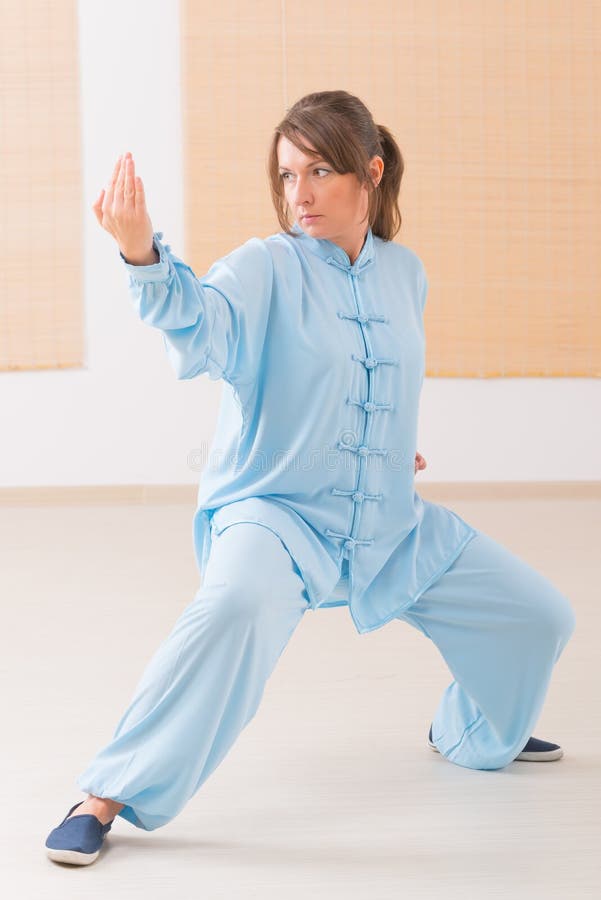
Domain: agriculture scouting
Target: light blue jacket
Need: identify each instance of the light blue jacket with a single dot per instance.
(322, 365)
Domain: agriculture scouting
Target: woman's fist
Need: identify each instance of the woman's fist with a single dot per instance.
(121, 210)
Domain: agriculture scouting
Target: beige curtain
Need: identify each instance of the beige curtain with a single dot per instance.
(41, 289)
(496, 109)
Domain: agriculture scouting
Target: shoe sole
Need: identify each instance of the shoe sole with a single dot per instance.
(74, 857)
(540, 756)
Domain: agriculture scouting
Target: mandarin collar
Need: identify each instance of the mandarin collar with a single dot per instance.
(334, 254)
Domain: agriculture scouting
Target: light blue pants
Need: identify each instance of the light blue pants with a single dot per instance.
(499, 625)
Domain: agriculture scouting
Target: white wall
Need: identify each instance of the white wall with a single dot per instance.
(124, 418)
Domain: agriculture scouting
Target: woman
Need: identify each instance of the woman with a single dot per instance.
(308, 498)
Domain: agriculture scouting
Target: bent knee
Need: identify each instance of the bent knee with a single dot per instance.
(251, 572)
(242, 601)
(236, 596)
(567, 623)
(556, 616)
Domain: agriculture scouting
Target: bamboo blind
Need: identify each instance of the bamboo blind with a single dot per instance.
(495, 107)
(41, 295)
(41, 302)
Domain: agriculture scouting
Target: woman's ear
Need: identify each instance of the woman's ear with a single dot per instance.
(377, 169)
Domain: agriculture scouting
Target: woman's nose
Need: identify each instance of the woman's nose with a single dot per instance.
(301, 192)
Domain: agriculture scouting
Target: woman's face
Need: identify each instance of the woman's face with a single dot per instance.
(339, 202)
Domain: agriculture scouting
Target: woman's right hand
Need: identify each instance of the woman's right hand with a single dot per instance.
(121, 210)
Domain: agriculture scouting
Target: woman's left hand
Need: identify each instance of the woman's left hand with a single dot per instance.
(420, 462)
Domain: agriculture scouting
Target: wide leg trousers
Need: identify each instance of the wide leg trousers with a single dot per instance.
(499, 625)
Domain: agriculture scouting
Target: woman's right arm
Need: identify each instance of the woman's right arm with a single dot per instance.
(216, 324)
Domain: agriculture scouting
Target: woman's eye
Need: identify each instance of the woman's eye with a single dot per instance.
(285, 174)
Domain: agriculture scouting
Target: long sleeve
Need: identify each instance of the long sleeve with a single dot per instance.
(216, 324)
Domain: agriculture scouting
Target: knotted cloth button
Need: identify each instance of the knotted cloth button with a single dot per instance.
(368, 406)
(363, 319)
(370, 362)
(349, 545)
(363, 450)
(358, 497)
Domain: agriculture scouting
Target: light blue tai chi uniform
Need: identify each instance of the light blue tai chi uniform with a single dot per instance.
(312, 461)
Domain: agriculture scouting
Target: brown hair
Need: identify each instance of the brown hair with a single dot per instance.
(342, 129)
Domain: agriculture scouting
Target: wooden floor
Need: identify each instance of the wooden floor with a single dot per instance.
(331, 791)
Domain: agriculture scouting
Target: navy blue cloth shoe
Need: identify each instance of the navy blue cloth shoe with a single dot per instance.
(77, 840)
(534, 751)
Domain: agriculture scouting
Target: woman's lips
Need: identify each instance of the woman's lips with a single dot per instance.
(309, 218)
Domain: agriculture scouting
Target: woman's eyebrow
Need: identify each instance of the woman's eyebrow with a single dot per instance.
(308, 166)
